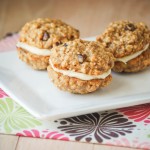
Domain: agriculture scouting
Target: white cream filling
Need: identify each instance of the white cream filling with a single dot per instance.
(127, 58)
(81, 76)
(34, 50)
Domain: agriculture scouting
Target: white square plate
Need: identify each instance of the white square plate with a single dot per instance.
(37, 94)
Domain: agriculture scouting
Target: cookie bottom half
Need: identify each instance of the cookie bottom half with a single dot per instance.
(75, 85)
(35, 61)
(137, 64)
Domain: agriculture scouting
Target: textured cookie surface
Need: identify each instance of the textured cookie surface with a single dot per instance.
(75, 85)
(35, 61)
(123, 38)
(137, 64)
(46, 33)
(83, 57)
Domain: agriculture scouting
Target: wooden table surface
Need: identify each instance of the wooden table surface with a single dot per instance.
(90, 17)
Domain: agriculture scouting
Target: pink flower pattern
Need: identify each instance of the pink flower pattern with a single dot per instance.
(9, 42)
(2, 93)
(138, 113)
(43, 134)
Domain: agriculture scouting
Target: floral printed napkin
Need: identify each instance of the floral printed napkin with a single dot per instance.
(128, 127)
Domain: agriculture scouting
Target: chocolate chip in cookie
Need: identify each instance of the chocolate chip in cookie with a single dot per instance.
(81, 58)
(46, 36)
(65, 45)
(72, 37)
(130, 27)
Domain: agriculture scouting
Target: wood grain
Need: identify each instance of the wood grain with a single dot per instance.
(91, 17)
(45, 144)
(8, 142)
(33, 143)
(104, 147)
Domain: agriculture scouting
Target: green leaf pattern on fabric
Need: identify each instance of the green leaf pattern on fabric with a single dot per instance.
(14, 117)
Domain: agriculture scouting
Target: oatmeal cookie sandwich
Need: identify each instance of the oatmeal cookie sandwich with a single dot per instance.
(80, 66)
(130, 44)
(38, 37)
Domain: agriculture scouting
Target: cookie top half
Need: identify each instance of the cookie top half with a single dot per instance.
(82, 56)
(47, 33)
(123, 38)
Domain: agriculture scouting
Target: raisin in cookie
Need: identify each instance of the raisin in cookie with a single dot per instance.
(80, 66)
(129, 43)
(38, 37)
